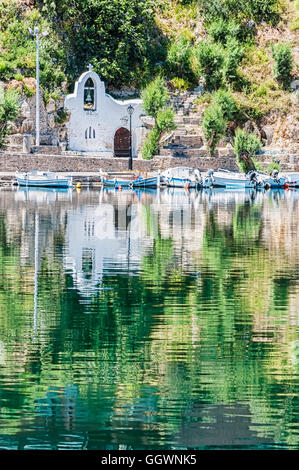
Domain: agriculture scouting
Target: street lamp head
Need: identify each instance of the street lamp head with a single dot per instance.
(30, 31)
(130, 109)
(36, 30)
(45, 33)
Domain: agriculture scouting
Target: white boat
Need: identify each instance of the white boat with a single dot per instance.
(182, 177)
(46, 179)
(292, 180)
(232, 180)
(275, 180)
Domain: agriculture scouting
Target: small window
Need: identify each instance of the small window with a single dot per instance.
(90, 133)
(89, 95)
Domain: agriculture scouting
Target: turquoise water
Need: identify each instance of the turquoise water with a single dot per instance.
(149, 320)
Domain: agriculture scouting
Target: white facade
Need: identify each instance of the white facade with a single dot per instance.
(95, 117)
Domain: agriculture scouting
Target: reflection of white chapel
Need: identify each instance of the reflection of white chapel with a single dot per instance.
(99, 123)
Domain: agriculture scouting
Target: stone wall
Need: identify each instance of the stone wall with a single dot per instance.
(11, 162)
(14, 162)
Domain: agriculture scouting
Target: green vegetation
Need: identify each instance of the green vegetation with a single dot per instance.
(118, 38)
(145, 44)
(151, 144)
(18, 58)
(179, 59)
(221, 110)
(283, 63)
(245, 146)
(9, 110)
(210, 59)
(154, 96)
(164, 335)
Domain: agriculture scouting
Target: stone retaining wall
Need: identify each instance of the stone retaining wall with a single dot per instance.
(10, 162)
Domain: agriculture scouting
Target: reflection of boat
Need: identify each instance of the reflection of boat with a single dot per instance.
(46, 179)
(43, 195)
(182, 177)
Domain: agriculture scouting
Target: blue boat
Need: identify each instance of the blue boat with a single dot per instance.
(140, 182)
(182, 177)
(43, 179)
(115, 183)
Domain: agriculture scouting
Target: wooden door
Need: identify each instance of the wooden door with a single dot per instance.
(122, 143)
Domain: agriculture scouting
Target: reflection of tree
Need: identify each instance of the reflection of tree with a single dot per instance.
(157, 342)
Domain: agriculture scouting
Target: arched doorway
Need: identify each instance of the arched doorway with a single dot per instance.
(122, 143)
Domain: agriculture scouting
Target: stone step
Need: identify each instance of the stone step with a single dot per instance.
(190, 141)
(14, 149)
(48, 149)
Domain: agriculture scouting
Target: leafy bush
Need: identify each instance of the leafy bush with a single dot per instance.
(210, 57)
(151, 144)
(18, 49)
(282, 54)
(9, 110)
(214, 125)
(234, 53)
(245, 147)
(154, 96)
(221, 30)
(119, 38)
(165, 120)
(273, 166)
(221, 110)
(180, 83)
(178, 58)
(225, 100)
(258, 10)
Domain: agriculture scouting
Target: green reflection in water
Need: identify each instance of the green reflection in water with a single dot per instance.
(165, 320)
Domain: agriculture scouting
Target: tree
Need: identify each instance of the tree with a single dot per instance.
(118, 38)
(179, 58)
(210, 57)
(165, 119)
(216, 117)
(154, 96)
(234, 53)
(245, 146)
(9, 110)
(283, 63)
(214, 125)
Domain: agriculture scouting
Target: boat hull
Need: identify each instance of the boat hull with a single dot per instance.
(145, 183)
(116, 183)
(138, 183)
(181, 183)
(44, 183)
(222, 182)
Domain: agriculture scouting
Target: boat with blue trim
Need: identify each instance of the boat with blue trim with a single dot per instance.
(46, 179)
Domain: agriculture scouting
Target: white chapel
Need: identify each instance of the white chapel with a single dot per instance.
(99, 123)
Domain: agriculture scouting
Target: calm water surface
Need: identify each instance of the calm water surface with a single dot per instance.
(149, 320)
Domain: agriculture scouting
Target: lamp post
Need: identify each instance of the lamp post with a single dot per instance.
(130, 110)
(36, 33)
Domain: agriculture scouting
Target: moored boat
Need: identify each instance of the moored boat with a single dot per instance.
(230, 179)
(292, 180)
(152, 182)
(182, 177)
(275, 180)
(130, 180)
(46, 179)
